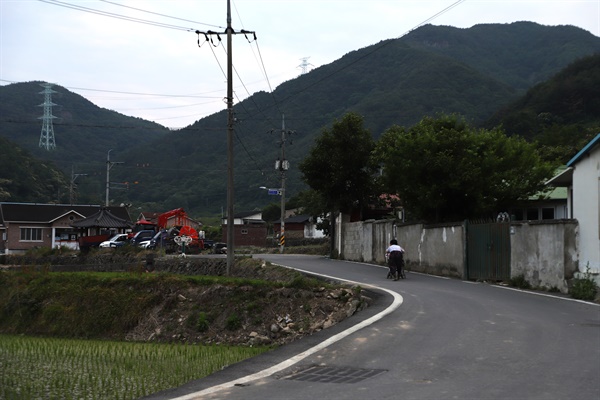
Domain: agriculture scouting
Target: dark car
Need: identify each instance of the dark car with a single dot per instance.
(220, 248)
(141, 236)
(161, 239)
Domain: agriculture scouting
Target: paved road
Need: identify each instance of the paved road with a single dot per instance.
(440, 339)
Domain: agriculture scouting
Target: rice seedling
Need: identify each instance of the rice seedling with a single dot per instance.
(50, 368)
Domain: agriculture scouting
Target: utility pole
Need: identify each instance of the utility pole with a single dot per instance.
(230, 226)
(47, 135)
(109, 165)
(282, 165)
(230, 121)
(74, 176)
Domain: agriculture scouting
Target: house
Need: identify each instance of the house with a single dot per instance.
(551, 205)
(300, 227)
(249, 229)
(581, 178)
(99, 227)
(27, 225)
(245, 217)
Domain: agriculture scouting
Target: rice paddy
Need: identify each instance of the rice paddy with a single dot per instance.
(51, 368)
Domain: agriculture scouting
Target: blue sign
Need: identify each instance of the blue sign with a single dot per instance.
(275, 192)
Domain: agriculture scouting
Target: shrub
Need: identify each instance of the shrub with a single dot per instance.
(233, 322)
(520, 282)
(202, 324)
(584, 288)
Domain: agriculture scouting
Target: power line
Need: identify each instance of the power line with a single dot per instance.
(116, 16)
(161, 15)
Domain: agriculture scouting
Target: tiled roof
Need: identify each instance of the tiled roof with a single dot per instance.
(102, 219)
(46, 213)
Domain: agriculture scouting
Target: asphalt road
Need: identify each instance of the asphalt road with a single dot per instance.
(425, 337)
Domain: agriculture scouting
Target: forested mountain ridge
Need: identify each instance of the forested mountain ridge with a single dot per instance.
(561, 112)
(27, 179)
(473, 72)
(83, 131)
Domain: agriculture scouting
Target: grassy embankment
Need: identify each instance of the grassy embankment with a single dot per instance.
(72, 328)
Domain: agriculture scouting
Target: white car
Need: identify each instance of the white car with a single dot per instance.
(116, 241)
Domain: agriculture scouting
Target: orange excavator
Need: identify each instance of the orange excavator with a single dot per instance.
(177, 223)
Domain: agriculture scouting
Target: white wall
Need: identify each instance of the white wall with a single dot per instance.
(586, 209)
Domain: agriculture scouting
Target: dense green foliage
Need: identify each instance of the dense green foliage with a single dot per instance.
(340, 167)
(27, 179)
(444, 170)
(561, 114)
(435, 69)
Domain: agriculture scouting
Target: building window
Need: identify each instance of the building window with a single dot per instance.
(533, 214)
(547, 213)
(31, 234)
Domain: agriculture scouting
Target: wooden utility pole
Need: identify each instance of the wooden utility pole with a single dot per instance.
(230, 121)
(230, 226)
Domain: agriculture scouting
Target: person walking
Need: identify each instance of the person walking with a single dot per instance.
(395, 256)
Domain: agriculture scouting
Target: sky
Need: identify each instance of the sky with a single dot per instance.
(142, 58)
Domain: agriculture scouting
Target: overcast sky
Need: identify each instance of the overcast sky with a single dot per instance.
(154, 69)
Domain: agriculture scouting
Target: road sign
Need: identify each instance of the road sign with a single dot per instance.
(275, 192)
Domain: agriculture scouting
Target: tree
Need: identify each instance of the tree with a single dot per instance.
(339, 167)
(444, 170)
(272, 212)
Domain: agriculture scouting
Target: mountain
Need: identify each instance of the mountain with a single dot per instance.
(474, 72)
(561, 112)
(83, 131)
(27, 179)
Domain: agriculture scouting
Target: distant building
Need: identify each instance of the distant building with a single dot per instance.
(300, 227)
(581, 178)
(24, 226)
(249, 229)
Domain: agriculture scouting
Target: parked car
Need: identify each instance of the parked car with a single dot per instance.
(208, 244)
(142, 236)
(116, 241)
(220, 248)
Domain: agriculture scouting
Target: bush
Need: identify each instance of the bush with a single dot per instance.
(202, 324)
(584, 288)
(520, 282)
(233, 322)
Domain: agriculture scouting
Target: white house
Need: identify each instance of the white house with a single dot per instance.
(582, 180)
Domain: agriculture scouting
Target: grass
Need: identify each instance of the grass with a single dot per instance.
(49, 368)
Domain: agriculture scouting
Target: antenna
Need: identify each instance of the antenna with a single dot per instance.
(304, 65)
(47, 135)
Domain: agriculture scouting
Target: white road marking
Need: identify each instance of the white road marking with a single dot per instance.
(398, 300)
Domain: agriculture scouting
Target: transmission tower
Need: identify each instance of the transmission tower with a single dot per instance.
(304, 65)
(47, 136)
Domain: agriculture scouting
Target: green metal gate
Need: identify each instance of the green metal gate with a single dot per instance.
(488, 251)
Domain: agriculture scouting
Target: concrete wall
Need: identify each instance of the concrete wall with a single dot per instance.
(545, 252)
(436, 249)
(440, 250)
